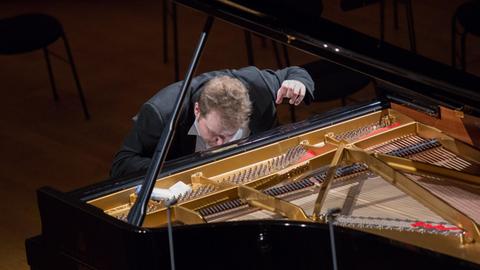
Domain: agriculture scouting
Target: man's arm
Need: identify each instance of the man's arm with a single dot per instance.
(138, 146)
(292, 82)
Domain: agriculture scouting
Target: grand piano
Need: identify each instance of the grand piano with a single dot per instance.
(388, 184)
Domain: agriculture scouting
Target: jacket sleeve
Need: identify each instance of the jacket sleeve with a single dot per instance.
(275, 78)
(137, 149)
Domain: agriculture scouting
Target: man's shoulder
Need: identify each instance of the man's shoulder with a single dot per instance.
(164, 99)
(246, 71)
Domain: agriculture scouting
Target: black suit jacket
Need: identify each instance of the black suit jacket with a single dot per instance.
(139, 145)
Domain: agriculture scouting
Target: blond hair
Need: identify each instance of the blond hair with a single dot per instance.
(229, 97)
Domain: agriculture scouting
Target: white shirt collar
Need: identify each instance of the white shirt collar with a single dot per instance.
(200, 145)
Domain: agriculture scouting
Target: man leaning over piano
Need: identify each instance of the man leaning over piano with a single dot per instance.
(223, 106)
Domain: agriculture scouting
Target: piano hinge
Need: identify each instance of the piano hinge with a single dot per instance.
(290, 39)
(459, 114)
(417, 105)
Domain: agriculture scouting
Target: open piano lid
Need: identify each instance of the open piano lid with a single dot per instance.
(403, 74)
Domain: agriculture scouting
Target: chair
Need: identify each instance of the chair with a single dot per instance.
(468, 17)
(30, 32)
(333, 81)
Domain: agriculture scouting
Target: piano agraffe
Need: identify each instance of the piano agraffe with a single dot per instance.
(403, 172)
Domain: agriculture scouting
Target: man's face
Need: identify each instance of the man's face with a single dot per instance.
(210, 128)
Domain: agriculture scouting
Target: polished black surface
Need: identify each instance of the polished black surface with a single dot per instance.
(344, 46)
(76, 234)
(91, 239)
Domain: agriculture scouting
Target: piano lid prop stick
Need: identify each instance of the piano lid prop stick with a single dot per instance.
(330, 217)
(169, 204)
(138, 210)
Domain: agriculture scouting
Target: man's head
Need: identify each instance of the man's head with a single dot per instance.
(223, 107)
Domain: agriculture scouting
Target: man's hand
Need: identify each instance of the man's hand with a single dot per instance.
(292, 89)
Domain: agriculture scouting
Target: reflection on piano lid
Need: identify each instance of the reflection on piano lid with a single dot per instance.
(398, 68)
(347, 5)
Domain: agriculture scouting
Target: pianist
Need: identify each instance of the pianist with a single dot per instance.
(223, 106)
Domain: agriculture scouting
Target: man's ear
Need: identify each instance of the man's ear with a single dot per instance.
(196, 110)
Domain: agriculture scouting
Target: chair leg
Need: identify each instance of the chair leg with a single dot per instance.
(248, 46)
(50, 74)
(382, 21)
(395, 14)
(175, 42)
(411, 29)
(463, 51)
(378, 90)
(285, 55)
(165, 30)
(277, 54)
(75, 77)
(263, 42)
(293, 116)
(454, 41)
